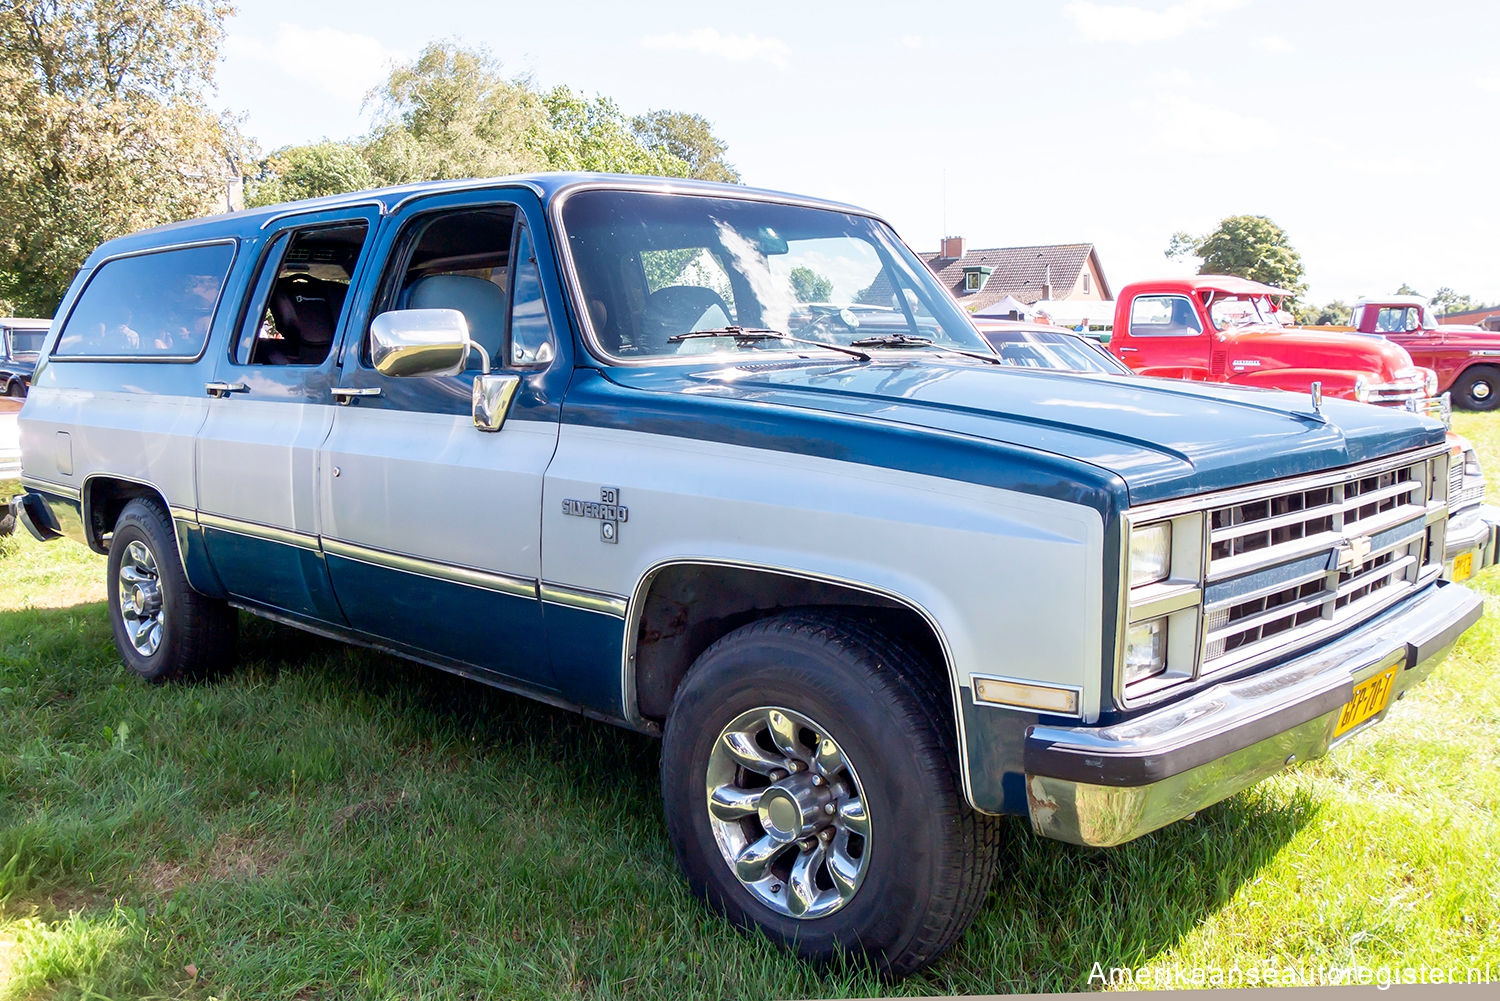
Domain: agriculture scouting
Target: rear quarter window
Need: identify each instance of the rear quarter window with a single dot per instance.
(153, 305)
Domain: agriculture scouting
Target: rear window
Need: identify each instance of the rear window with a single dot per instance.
(157, 305)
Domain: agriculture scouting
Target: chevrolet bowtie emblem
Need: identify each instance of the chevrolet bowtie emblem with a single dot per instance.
(1353, 552)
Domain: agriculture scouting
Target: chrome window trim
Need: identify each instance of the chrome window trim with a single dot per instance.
(563, 252)
(374, 203)
(453, 573)
(1436, 510)
(634, 609)
(213, 316)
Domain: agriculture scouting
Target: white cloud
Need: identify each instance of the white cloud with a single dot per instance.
(1175, 123)
(1108, 22)
(1276, 44)
(339, 63)
(913, 41)
(735, 48)
(1490, 84)
(1171, 79)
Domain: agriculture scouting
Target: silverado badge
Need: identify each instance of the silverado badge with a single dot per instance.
(608, 511)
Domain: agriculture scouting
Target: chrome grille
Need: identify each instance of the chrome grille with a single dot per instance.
(1291, 563)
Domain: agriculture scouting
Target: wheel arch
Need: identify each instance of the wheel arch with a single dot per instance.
(682, 606)
(104, 495)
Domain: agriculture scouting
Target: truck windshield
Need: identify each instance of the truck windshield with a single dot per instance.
(25, 345)
(653, 266)
(1243, 310)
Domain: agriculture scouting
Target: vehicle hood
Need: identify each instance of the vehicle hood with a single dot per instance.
(1296, 347)
(1162, 438)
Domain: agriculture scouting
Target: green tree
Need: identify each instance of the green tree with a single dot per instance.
(1445, 300)
(103, 130)
(593, 134)
(809, 286)
(451, 112)
(1250, 246)
(1337, 314)
(324, 168)
(689, 138)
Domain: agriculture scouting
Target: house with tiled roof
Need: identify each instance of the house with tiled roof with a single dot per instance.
(982, 277)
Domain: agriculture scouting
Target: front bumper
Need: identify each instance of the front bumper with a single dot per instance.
(1478, 536)
(1105, 786)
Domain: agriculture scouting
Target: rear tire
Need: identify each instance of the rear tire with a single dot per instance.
(163, 629)
(15, 389)
(1478, 388)
(902, 891)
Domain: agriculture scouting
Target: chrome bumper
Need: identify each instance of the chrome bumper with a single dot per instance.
(1477, 537)
(1105, 786)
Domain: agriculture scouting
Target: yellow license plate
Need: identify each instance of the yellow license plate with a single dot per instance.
(1370, 699)
(1463, 567)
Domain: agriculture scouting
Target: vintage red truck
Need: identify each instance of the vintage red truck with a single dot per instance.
(1466, 358)
(1219, 328)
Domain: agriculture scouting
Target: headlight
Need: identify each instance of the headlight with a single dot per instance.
(1150, 553)
(1145, 650)
(1361, 389)
(1429, 382)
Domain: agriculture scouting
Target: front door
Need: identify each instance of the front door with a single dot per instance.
(432, 527)
(271, 408)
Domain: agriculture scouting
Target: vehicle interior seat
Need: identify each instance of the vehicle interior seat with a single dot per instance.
(680, 309)
(306, 310)
(482, 302)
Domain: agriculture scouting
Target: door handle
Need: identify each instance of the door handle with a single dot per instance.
(220, 390)
(345, 394)
(1124, 349)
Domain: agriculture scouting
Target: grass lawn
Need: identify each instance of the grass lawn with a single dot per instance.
(326, 822)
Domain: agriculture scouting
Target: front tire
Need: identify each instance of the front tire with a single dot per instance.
(1478, 388)
(812, 790)
(163, 629)
(15, 389)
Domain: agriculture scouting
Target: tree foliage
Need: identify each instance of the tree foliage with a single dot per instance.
(582, 133)
(451, 112)
(810, 286)
(1337, 313)
(103, 131)
(1250, 246)
(689, 138)
(312, 171)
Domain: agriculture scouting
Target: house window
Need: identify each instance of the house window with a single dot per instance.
(971, 281)
(975, 276)
(1086, 283)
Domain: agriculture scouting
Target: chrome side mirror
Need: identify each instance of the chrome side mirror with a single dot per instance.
(418, 342)
(493, 394)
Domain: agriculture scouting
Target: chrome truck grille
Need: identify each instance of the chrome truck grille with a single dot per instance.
(1286, 563)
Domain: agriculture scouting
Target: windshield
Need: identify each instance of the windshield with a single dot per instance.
(1242, 310)
(26, 344)
(1052, 350)
(655, 266)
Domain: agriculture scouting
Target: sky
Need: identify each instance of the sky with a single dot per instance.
(1369, 131)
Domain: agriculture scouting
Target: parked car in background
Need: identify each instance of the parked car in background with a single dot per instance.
(20, 341)
(576, 436)
(1219, 328)
(1466, 358)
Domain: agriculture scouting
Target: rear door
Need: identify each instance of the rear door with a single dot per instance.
(432, 527)
(271, 406)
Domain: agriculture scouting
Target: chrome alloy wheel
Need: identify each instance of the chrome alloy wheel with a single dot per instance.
(788, 812)
(140, 598)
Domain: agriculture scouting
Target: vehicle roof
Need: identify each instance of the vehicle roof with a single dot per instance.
(546, 186)
(24, 321)
(1232, 284)
(1391, 300)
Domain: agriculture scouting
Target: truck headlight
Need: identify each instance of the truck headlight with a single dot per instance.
(1145, 649)
(1150, 553)
(1429, 382)
(1361, 389)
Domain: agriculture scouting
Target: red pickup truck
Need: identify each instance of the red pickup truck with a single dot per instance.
(1219, 328)
(1465, 358)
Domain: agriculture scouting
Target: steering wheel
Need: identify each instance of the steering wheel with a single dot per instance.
(819, 321)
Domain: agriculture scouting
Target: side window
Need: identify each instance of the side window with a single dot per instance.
(299, 296)
(1163, 316)
(530, 333)
(459, 260)
(157, 305)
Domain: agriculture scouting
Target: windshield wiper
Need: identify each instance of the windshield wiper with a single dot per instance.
(754, 335)
(908, 341)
